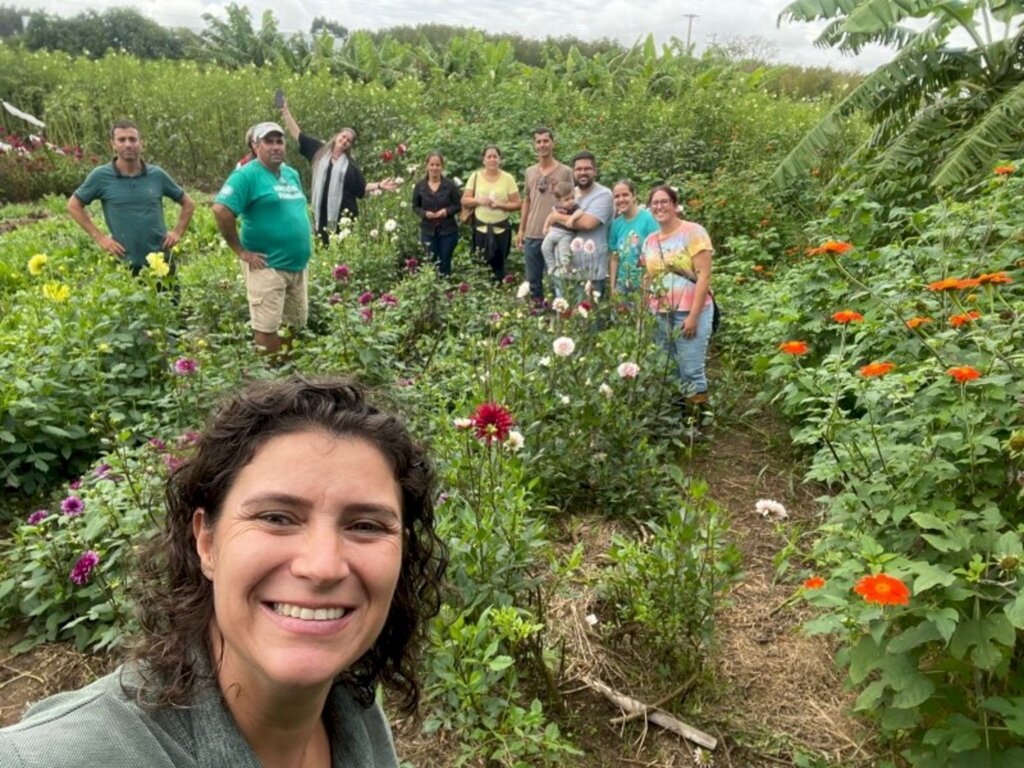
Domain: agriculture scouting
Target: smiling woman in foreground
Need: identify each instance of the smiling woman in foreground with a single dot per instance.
(296, 570)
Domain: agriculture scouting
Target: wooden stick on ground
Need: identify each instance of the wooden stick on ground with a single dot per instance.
(631, 716)
(656, 716)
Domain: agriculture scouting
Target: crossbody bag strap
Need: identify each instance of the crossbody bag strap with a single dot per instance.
(691, 276)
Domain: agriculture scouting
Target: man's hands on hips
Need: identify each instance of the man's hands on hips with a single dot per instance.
(253, 259)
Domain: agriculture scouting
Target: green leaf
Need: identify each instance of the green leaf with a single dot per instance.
(925, 632)
(1015, 611)
(1011, 710)
(870, 696)
(929, 521)
(500, 663)
(897, 719)
(914, 691)
(865, 656)
(945, 621)
(929, 575)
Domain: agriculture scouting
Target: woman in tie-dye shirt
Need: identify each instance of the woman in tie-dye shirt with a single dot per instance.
(677, 281)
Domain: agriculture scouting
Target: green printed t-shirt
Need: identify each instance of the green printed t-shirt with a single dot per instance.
(272, 208)
(133, 206)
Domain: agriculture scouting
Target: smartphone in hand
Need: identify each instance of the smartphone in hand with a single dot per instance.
(279, 98)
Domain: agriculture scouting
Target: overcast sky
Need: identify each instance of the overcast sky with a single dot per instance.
(624, 20)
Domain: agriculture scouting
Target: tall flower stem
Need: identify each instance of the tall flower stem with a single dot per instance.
(969, 432)
(878, 446)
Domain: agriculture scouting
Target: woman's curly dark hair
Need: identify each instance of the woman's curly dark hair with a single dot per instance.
(175, 601)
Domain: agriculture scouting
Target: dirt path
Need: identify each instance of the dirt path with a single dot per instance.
(783, 696)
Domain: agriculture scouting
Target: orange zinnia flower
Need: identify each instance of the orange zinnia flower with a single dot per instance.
(883, 590)
(949, 284)
(831, 246)
(876, 369)
(794, 347)
(1003, 170)
(967, 317)
(992, 278)
(914, 322)
(964, 373)
(970, 282)
(815, 582)
(848, 316)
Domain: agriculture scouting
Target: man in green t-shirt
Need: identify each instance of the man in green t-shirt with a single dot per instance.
(131, 193)
(276, 240)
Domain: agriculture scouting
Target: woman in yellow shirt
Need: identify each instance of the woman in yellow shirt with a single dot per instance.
(491, 194)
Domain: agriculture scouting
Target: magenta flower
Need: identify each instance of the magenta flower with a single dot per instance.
(74, 485)
(185, 366)
(172, 462)
(365, 298)
(189, 437)
(506, 341)
(102, 470)
(72, 506)
(366, 314)
(510, 279)
(157, 444)
(389, 300)
(411, 265)
(463, 287)
(341, 273)
(495, 317)
(83, 568)
(334, 299)
(38, 516)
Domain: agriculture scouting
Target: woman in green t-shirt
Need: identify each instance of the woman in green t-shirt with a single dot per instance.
(491, 194)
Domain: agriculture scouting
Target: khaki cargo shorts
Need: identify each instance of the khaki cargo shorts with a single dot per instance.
(276, 297)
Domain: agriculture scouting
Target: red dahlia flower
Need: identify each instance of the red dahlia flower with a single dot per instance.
(492, 422)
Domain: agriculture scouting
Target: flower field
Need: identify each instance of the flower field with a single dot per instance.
(887, 338)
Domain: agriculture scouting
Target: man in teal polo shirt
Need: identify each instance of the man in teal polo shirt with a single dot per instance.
(131, 193)
(276, 241)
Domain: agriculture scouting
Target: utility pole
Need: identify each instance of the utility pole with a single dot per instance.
(689, 27)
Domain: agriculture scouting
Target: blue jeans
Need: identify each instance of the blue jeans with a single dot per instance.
(533, 258)
(441, 248)
(689, 355)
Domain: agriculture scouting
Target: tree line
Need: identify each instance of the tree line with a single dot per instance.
(238, 40)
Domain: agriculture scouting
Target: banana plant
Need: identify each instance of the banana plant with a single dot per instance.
(959, 107)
